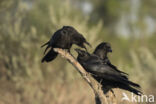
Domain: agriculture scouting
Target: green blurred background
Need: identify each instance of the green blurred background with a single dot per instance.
(129, 25)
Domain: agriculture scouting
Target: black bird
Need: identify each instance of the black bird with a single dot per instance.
(104, 74)
(63, 38)
(102, 51)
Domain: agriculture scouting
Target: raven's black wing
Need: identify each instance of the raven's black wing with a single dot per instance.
(51, 55)
(106, 72)
(54, 39)
(115, 68)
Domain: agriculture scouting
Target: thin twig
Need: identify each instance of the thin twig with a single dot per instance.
(100, 98)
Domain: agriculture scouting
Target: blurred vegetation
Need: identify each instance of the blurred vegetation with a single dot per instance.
(26, 24)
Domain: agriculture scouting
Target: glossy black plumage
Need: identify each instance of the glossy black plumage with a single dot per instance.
(102, 51)
(63, 38)
(104, 74)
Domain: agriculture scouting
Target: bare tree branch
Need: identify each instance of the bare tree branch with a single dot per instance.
(100, 98)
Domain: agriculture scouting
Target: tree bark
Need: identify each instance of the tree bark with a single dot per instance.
(100, 98)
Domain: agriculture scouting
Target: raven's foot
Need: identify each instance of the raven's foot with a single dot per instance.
(113, 93)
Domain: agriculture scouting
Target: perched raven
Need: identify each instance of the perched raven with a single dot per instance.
(63, 38)
(104, 74)
(102, 51)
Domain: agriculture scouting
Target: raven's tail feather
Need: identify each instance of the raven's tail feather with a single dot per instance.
(46, 49)
(133, 90)
(126, 81)
(51, 55)
(134, 84)
(45, 44)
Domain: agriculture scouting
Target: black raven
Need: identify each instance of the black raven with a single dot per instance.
(63, 38)
(102, 51)
(104, 74)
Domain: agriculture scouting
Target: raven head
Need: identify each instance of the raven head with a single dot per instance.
(76, 37)
(108, 47)
(104, 46)
(81, 41)
(82, 53)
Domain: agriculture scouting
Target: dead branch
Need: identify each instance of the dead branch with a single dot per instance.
(100, 98)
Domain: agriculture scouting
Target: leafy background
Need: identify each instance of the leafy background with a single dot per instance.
(26, 24)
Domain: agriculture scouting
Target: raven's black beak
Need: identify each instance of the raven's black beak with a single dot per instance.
(88, 44)
(110, 50)
(78, 51)
(85, 48)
